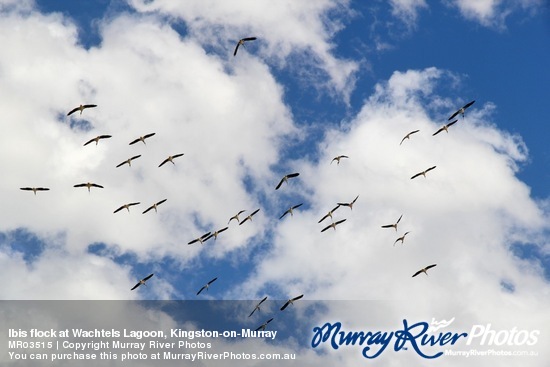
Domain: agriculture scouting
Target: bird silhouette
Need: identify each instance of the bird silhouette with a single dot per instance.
(81, 108)
(241, 43)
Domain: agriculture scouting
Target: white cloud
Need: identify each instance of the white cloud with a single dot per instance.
(290, 33)
(407, 10)
(492, 13)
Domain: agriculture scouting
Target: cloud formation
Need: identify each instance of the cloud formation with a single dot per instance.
(229, 117)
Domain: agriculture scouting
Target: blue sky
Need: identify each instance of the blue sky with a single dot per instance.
(322, 79)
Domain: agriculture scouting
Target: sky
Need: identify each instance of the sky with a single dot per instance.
(322, 79)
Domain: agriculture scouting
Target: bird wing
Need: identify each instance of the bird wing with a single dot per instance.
(454, 114)
(236, 49)
(340, 221)
(430, 266)
(354, 200)
(89, 141)
(399, 219)
(322, 219)
(297, 206)
(148, 135)
(244, 220)
(135, 157)
(149, 208)
(262, 301)
(134, 141)
(292, 175)
(73, 111)
(212, 281)
(177, 155)
(148, 277)
(166, 160)
(429, 169)
(438, 131)
(468, 104)
(26, 188)
(221, 230)
(105, 136)
(162, 201)
(327, 227)
(285, 305)
(254, 310)
(96, 185)
(418, 174)
(199, 292)
(280, 183)
(285, 213)
(193, 241)
(119, 209)
(452, 123)
(249, 39)
(121, 164)
(255, 211)
(388, 226)
(418, 272)
(135, 286)
(297, 298)
(89, 105)
(80, 185)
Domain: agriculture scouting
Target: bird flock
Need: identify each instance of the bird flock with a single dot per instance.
(240, 216)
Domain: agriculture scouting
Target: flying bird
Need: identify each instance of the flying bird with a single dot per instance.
(291, 301)
(349, 204)
(241, 42)
(81, 108)
(249, 217)
(215, 234)
(128, 161)
(423, 173)
(329, 214)
(142, 281)
(142, 139)
(333, 225)
(126, 206)
(236, 216)
(393, 225)
(154, 206)
(408, 136)
(258, 306)
(35, 189)
(170, 159)
(445, 128)
(425, 270)
(88, 185)
(337, 159)
(206, 286)
(96, 139)
(462, 110)
(285, 179)
(290, 210)
(402, 238)
(264, 325)
(201, 239)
